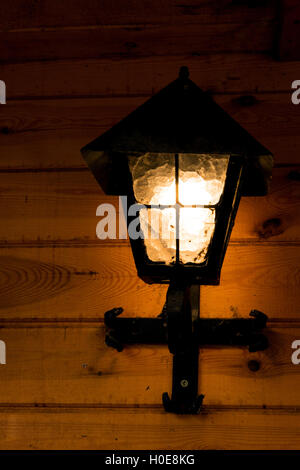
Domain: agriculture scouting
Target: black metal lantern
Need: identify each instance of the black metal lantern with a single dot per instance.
(183, 164)
(186, 163)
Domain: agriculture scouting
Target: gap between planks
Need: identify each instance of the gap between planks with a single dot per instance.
(123, 244)
(146, 96)
(158, 408)
(93, 322)
(82, 169)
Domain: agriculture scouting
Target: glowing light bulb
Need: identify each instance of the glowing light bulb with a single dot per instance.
(196, 225)
(194, 189)
(164, 195)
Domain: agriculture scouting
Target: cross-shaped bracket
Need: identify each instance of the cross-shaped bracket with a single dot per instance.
(180, 327)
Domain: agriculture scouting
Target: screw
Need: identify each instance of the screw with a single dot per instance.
(184, 383)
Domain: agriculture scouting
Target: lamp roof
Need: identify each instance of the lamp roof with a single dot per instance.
(181, 118)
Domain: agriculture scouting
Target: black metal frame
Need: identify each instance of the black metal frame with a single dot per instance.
(180, 327)
(182, 119)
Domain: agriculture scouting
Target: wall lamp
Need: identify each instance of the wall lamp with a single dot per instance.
(184, 164)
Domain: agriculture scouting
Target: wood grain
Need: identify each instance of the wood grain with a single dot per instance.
(50, 133)
(70, 364)
(30, 14)
(62, 282)
(131, 41)
(239, 73)
(136, 429)
(267, 278)
(61, 206)
(84, 281)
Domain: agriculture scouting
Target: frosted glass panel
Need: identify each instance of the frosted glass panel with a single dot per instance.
(196, 227)
(153, 178)
(159, 228)
(201, 178)
(201, 181)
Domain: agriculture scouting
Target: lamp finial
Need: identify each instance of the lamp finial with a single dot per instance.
(184, 72)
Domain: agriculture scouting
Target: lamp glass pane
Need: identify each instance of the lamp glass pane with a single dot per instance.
(201, 182)
(159, 229)
(201, 178)
(153, 177)
(196, 228)
(190, 218)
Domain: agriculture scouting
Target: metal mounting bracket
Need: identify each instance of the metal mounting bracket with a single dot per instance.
(180, 327)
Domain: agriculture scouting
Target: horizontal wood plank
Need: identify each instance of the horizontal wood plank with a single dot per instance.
(144, 41)
(61, 282)
(147, 429)
(61, 149)
(50, 133)
(61, 206)
(218, 73)
(262, 279)
(85, 281)
(54, 14)
(72, 365)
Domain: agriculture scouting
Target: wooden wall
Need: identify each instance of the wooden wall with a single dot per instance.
(72, 70)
